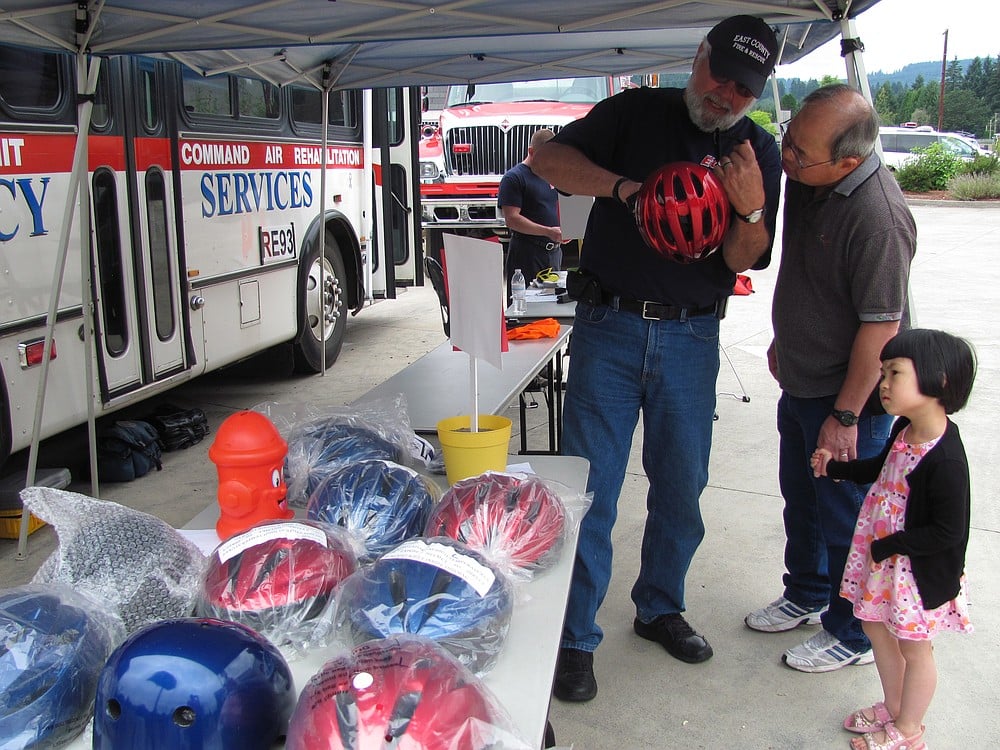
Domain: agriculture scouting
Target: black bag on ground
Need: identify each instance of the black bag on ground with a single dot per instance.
(126, 450)
(178, 428)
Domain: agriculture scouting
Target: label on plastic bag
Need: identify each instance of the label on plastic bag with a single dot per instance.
(470, 570)
(260, 534)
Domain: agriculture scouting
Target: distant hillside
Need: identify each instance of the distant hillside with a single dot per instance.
(931, 71)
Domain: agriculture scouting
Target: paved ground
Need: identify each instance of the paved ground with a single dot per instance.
(744, 697)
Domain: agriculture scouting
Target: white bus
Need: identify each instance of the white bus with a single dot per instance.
(206, 230)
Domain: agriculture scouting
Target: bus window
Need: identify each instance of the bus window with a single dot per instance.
(395, 110)
(109, 262)
(159, 254)
(29, 79)
(257, 98)
(149, 112)
(207, 96)
(100, 116)
(307, 107)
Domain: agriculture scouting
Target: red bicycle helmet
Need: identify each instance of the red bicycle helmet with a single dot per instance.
(276, 577)
(682, 211)
(511, 520)
(401, 692)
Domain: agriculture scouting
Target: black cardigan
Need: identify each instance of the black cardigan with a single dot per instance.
(936, 521)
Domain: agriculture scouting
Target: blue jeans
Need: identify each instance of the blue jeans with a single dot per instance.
(819, 513)
(621, 365)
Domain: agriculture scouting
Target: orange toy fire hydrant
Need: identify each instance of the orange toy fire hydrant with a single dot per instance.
(248, 453)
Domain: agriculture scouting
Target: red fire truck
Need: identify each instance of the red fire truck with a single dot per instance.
(483, 131)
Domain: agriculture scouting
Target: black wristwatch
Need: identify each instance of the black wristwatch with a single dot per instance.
(846, 417)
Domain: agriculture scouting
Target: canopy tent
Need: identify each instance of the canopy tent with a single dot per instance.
(372, 43)
(382, 43)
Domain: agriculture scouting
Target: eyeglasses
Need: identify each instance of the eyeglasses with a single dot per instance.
(787, 142)
(741, 90)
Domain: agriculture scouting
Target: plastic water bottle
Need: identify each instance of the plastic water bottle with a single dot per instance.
(517, 291)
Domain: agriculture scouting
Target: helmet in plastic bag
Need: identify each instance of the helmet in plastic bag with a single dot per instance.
(193, 683)
(506, 517)
(404, 693)
(325, 445)
(51, 653)
(682, 211)
(381, 502)
(436, 588)
(276, 577)
(144, 569)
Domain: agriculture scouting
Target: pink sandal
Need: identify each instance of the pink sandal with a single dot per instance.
(858, 722)
(894, 740)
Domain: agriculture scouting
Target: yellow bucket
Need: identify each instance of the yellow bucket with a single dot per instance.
(469, 454)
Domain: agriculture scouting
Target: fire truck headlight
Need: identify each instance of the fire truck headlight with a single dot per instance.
(429, 170)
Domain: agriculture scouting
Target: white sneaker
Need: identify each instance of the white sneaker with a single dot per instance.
(824, 653)
(781, 615)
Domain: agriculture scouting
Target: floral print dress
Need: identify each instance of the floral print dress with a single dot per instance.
(886, 592)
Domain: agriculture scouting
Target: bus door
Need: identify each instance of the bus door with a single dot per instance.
(138, 270)
(396, 255)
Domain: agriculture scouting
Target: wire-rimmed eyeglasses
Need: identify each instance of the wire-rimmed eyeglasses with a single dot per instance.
(787, 142)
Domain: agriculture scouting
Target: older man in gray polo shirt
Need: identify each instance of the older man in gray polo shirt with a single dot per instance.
(841, 293)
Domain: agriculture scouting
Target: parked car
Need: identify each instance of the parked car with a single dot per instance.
(898, 144)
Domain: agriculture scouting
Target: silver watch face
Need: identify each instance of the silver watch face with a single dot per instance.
(754, 216)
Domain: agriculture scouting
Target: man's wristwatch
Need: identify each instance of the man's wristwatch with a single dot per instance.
(753, 217)
(845, 417)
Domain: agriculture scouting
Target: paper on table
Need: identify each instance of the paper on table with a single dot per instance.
(475, 277)
(574, 211)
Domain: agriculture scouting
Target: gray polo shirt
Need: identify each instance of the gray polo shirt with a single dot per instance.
(845, 260)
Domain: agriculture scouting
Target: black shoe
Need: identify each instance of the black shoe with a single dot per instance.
(676, 636)
(574, 676)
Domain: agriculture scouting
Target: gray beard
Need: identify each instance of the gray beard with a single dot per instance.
(706, 121)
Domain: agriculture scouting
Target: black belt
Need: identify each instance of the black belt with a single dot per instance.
(534, 239)
(656, 311)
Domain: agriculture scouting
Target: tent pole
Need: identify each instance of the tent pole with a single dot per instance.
(86, 85)
(325, 120)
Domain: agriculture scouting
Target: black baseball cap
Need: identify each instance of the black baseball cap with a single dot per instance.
(745, 50)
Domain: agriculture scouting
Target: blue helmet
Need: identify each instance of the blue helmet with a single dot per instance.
(323, 446)
(193, 684)
(436, 588)
(52, 647)
(380, 502)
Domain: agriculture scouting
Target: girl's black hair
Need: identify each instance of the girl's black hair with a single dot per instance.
(945, 364)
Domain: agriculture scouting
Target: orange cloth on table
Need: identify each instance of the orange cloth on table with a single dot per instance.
(546, 328)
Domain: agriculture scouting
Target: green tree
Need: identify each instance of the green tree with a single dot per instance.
(790, 103)
(963, 110)
(975, 78)
(885, 105)
(763, 118)
(954, 77)
(921, 117)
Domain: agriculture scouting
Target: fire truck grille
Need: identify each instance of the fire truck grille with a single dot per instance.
(486, 150)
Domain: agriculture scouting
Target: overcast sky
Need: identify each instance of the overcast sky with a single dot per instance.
(897, 32)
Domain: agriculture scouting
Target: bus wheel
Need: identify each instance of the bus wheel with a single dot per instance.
(322, 307)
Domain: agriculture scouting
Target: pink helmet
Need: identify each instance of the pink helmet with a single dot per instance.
(401, 692)
(506, 517)
(682, 211)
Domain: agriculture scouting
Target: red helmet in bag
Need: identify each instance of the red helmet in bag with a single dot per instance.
(276, 577)
(399, 692)
(505, 516)
(682, 211)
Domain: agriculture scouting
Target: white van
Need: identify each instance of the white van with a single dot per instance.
(898, 143)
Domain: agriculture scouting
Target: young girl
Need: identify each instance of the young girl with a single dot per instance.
(905, 571)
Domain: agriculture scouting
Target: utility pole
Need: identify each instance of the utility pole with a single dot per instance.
(944, 63)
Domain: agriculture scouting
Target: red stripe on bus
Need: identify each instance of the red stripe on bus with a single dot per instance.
(152, 152)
